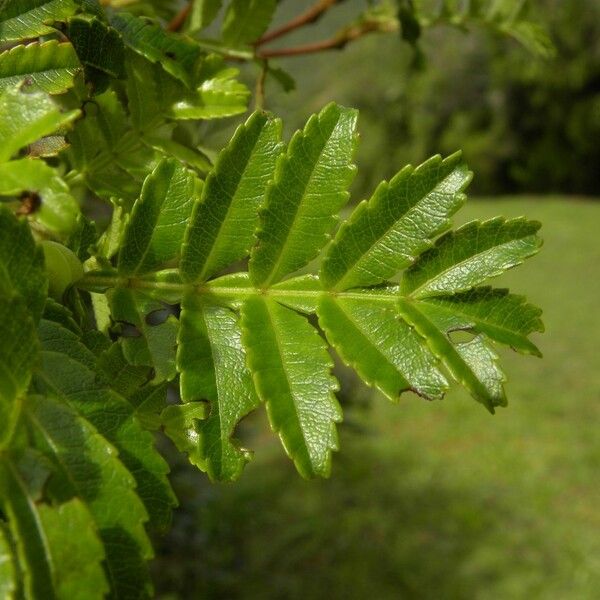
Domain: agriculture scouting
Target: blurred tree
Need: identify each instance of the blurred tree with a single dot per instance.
(526, 124)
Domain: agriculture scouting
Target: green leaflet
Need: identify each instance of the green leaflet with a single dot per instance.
(192, 157)
(221, 230)
(370, 336)
(57, 546)
(503, 317)
(282, 77)
(123, 377)
(70, 370)
(246, 20)
(54, 311)
(25, 19)
(49, 67)
(180, 423)
(291, 370)
(203, 14)
(86, 466)
(21, 264)
(99, 48)
(473, 253)
(149, 401)
(216, 93)
(174, 53)
(158, 220)
(308, 190)
(532, 36)
(76, 551)
(150, 345)
(8, 579)
(142, 93)
(58, 210)
(212, 363)
(471, 364)
(19, 352)
(26, 117)
(404, 214)
(82, 237)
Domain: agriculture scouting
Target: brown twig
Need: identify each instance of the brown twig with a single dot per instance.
(330, 44)
(176, 23)
(259, 96)
(335, 43)
(306, 18)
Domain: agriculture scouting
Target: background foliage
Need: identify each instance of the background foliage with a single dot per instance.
(524, 125)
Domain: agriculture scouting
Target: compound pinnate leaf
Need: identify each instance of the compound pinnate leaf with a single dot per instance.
(212, 363)
(27, 117)
(159, 217)
(221, 230)
(175, 53)
(398, 337)
(389, 231)
(385, 351)
(473, 253)
(291, 370)
(27, 19)
(501, 316)
(49, 67)
(471, 364)
(57, 546)
(309, 188)
(246, 20)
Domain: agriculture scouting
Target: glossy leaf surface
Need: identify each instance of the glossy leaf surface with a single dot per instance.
(212, 363)
(158, 220)
(404, 214)
(58, 546)
(477, 251)
(25, 118)
(49, 66)
(309, 189)
(223, 223)
(26, 19)
(291, 370)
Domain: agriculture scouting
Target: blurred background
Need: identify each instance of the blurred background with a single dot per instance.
(438, 501)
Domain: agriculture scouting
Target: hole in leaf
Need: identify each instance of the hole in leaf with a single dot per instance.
(461, 336)
(128, 330)
(159, 316)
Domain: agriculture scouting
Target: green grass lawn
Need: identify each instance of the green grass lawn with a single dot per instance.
(432, 500)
